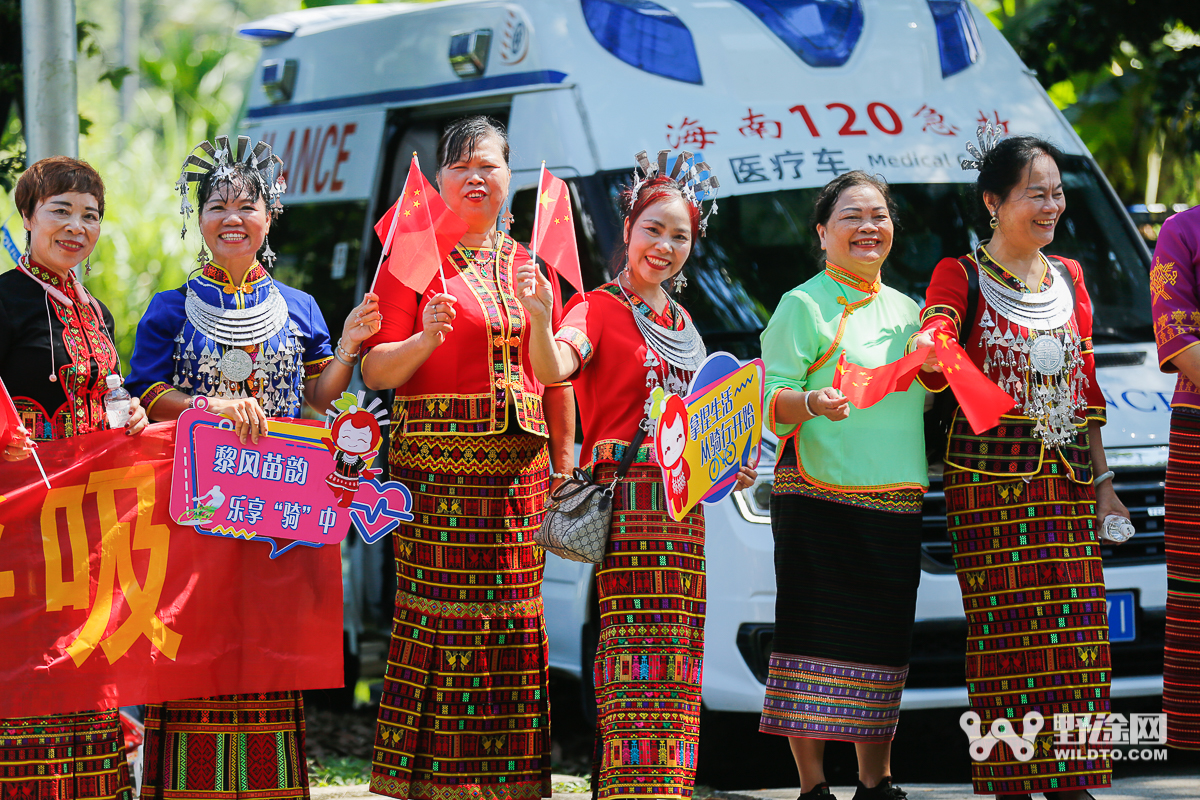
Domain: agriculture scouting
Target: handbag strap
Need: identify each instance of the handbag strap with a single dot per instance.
(630, 453)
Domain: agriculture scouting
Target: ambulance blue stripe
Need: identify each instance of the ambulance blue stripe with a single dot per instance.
(420, 93)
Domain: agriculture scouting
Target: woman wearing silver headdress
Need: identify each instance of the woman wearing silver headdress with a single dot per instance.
(617, 344)
(1026, 501)
(257, 349)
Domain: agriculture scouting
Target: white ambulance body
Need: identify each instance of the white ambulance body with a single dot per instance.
(779, 96)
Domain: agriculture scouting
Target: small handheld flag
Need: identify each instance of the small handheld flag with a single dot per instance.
(865, 387)
(982, 401)
(554, 229)
(418, 232)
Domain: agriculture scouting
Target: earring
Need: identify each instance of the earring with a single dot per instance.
(995, 223)
(268, 254)
(87, 266)
(506, 219)
(203, 257)
(679, 283)
(28, 245)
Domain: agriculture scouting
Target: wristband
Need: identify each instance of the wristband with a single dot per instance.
(554, 476)
(811, 413)
(1102, 478)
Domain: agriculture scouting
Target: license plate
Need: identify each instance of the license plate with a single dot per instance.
(1122, 613)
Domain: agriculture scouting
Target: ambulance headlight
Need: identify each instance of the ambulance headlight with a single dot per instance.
(754, 502)
(645, 35)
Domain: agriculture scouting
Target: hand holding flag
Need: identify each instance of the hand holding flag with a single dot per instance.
(13, 432)
(418, 232)
(982, 401)
(554, 229)
(866, 387)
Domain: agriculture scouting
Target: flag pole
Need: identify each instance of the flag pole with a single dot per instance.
(387, 244)
(537, 209)
(41, 469)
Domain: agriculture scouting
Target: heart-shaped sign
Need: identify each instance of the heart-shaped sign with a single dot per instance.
(379, 508)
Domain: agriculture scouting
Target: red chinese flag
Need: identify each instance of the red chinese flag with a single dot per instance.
(426, 230)
(982, 401)
(9, 419)
(866, 387)
(554, 230)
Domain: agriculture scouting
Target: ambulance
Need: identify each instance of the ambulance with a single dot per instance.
(779, 96)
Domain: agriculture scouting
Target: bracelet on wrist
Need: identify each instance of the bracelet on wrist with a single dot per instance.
(807, 408)
(341, 355)
(1107, 476)
(555, 476)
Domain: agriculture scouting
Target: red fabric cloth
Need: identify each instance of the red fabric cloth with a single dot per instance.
(866, 387)
(983, 402)
(9, 419)
(946, 303)
(610, 388)
(486, 355)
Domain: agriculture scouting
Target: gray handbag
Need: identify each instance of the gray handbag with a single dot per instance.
(579, 513)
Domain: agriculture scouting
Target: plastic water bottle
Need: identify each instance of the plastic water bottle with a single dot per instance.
(116, 402)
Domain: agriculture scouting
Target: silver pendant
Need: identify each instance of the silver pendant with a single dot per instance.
(236, 365)
(1046, 355)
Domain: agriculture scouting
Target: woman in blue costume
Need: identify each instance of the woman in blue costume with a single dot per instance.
(257, 349)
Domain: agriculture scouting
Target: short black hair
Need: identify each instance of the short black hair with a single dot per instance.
(1005, 164)
(462, 136)
(823, 207)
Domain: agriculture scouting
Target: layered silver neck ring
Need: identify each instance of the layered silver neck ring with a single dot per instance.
(238, 327)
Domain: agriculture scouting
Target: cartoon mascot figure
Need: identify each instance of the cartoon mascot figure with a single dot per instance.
(354, 438)
(670, 442)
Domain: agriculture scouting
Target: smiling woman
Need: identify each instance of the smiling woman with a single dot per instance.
(56, 351)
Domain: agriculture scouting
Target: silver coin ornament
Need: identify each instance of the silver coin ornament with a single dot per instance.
(1046, 355)
(236, 365)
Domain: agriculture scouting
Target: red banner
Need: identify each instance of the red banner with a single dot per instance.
(105, 602)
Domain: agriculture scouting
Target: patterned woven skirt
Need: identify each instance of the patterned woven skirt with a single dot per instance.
(63, 757)
(1181, 663)
(1028, 563)
(229, 747)
(846, 595)
(649, 659)
(465, 711)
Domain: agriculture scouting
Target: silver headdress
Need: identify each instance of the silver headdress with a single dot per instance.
(988, 136)
(695, 179)
(218, 157)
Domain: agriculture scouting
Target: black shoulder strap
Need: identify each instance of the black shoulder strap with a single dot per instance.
(631, 453)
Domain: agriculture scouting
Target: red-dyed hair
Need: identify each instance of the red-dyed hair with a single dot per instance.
(57, 175)
(660, 187)
(359, 419)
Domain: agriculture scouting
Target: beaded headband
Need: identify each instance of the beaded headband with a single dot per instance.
(218, 158)
(695, 179)
(988, 137)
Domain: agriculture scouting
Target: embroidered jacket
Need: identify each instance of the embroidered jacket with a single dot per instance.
(464, 387)
(613, 382)
(83, 355)
(171, 353)
(1175, 297)
(876, 457)
(1011, 448)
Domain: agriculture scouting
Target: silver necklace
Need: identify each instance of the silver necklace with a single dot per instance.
(238, 327)
(1044, 310)
(683, 349)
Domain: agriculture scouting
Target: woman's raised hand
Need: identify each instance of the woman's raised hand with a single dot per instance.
(534, 290)
(362, 323)
(925, 339)
(247, 415)
(828, 403)
(20, 446)
(437, 318)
